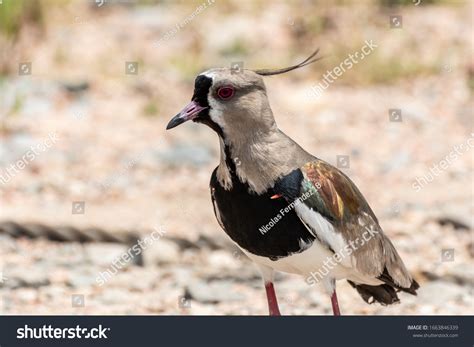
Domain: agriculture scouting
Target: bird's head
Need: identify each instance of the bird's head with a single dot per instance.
(232, 102)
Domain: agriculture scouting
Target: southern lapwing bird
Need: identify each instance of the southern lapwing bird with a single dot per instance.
(286, 209)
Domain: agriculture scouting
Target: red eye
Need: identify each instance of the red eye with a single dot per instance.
(225, 93)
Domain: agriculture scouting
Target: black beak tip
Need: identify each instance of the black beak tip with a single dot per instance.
(174, 122)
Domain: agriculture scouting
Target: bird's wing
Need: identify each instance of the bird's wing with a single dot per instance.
(336, 212)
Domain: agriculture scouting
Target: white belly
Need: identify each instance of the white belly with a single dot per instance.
(316, 264)
(312, 259)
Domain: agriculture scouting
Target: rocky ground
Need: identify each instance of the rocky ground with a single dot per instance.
(113, 154)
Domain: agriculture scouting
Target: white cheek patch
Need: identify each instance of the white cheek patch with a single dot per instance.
(216, 112)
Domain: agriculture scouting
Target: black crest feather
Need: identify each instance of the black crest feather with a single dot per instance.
(269, 72)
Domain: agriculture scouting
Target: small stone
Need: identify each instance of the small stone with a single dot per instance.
(224, 260)
(26, 279)
(161, 251)
(212, 292)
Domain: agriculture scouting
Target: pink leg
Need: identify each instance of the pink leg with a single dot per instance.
(335, 304)
(272, 300)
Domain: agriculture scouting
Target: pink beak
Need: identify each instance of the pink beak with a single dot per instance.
(189, 112)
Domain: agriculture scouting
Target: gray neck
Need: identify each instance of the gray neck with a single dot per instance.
(260, 158)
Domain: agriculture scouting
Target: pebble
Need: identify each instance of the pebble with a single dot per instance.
(161, 251)
(26, 279)
(212, 292)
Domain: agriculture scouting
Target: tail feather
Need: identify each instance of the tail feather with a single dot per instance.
(385, 294)
(385, 277)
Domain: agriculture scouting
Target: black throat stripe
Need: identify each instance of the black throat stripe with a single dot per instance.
(202, 87)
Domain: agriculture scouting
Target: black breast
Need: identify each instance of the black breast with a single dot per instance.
(257, 223)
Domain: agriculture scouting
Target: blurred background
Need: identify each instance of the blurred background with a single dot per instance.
(86, 91)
